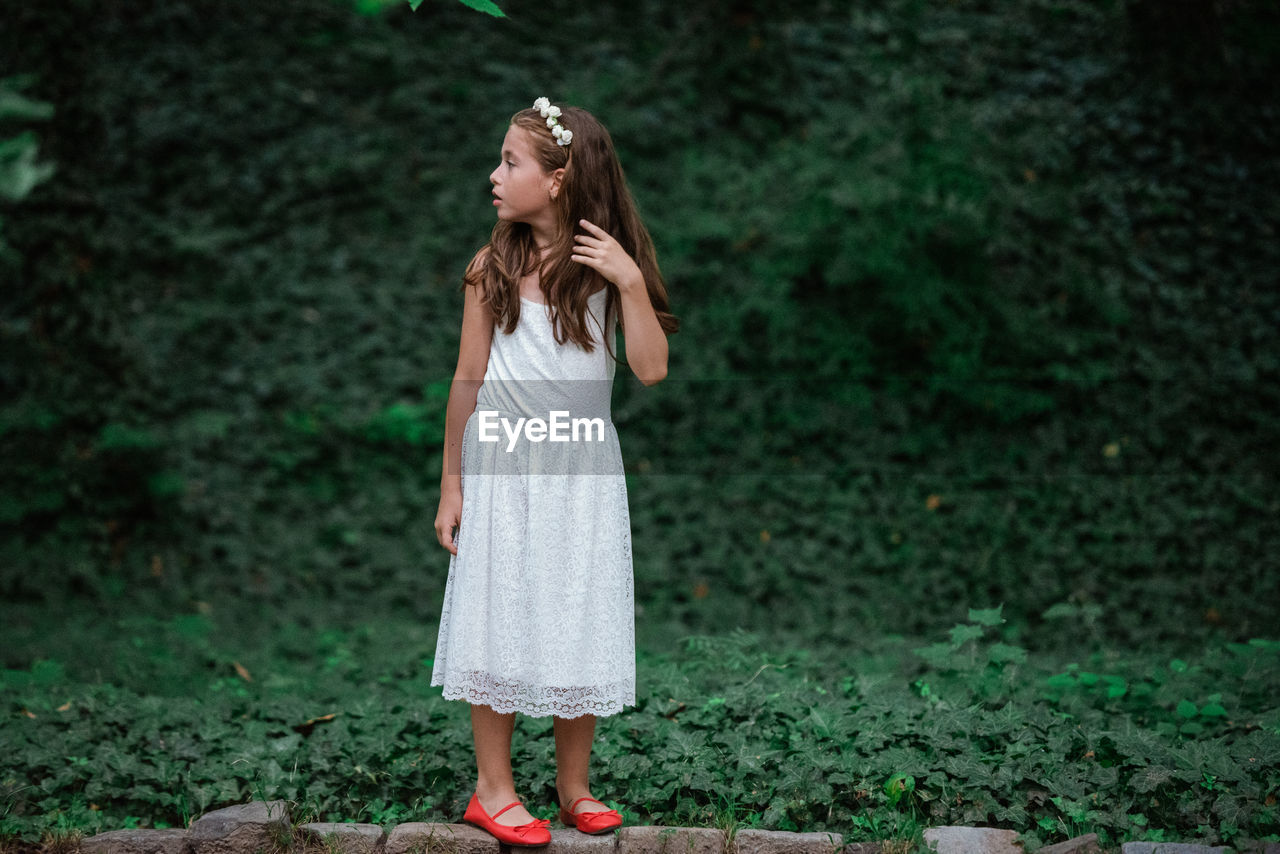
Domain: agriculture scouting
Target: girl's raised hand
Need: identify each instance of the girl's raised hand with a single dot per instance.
(606, 256)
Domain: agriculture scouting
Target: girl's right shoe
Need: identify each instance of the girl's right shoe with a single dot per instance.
(532, 834)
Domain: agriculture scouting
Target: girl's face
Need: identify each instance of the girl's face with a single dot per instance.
(521, 190)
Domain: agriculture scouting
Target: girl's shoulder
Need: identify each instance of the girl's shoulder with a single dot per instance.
(477, 262)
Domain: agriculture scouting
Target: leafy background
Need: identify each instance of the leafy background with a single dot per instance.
(956, 505)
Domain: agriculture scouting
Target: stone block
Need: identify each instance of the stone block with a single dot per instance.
(863, 848)
(349, 838)
(137, 841)
(1087, 844)
(652, 839)
(422, 837)
(973, 840)
(754, 841)
(244, 827)
(1172, 848)
(1257, 846)
(568, 840)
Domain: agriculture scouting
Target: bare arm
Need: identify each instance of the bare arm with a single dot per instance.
(473, 360)
(646, 343)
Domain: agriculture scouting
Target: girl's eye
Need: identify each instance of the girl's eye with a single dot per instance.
(512, 165)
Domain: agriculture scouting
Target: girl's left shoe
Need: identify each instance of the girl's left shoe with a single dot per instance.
(591, 822)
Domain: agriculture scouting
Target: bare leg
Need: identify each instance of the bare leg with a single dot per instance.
(494, 785)
(573, 755)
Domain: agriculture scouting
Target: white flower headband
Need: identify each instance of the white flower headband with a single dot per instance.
(551, 112)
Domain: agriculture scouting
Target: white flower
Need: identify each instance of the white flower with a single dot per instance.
(551, 112)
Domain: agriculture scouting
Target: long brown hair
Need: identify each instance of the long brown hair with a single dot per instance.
(592, 188)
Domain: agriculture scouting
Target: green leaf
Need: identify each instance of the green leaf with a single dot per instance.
(1001, 653)
(964, 632)
(987, 617)
(486, 6)
(1213, 710)
(1186, 709)
(937, 654)
(1116, 687)
(898, 785)
(1062, 680)
(19, 171)
(17, 107)
(1059, 611)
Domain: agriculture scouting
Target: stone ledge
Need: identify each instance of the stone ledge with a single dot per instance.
(651, 839)
(264, 827)
(134, 841)
(1173, 848)
(973, 840)
(255, 826)
(1087, 844)
(753, 841)
(421, 837)
(347, 838)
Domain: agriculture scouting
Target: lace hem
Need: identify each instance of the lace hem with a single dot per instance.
(536, 701)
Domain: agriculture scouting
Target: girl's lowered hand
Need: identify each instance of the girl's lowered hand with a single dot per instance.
(606, 256)
(448, 517)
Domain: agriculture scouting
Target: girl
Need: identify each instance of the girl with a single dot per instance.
(538, 612)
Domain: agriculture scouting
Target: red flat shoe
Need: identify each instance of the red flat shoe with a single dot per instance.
(591, 822)
(531, 834)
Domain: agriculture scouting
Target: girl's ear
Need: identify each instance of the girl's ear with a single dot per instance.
(556, 177)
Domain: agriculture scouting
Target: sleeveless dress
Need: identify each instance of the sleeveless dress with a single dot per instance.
(539, 610)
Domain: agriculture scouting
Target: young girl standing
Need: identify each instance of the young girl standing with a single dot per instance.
(538, 612)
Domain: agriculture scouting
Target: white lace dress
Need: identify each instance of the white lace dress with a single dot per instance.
(539, 613)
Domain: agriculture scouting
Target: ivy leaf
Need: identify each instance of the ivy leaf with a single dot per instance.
(486, 6)
(1186, 709)
(1001, 653)
(1150, 778)
(1062, 681)
(937, 654)
(1116, 687)
(1232, 809)
(986, 617)
(964, 632)
(1059, 611)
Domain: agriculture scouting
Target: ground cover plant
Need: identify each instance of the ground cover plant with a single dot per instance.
(728, 732)
(956, 505)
